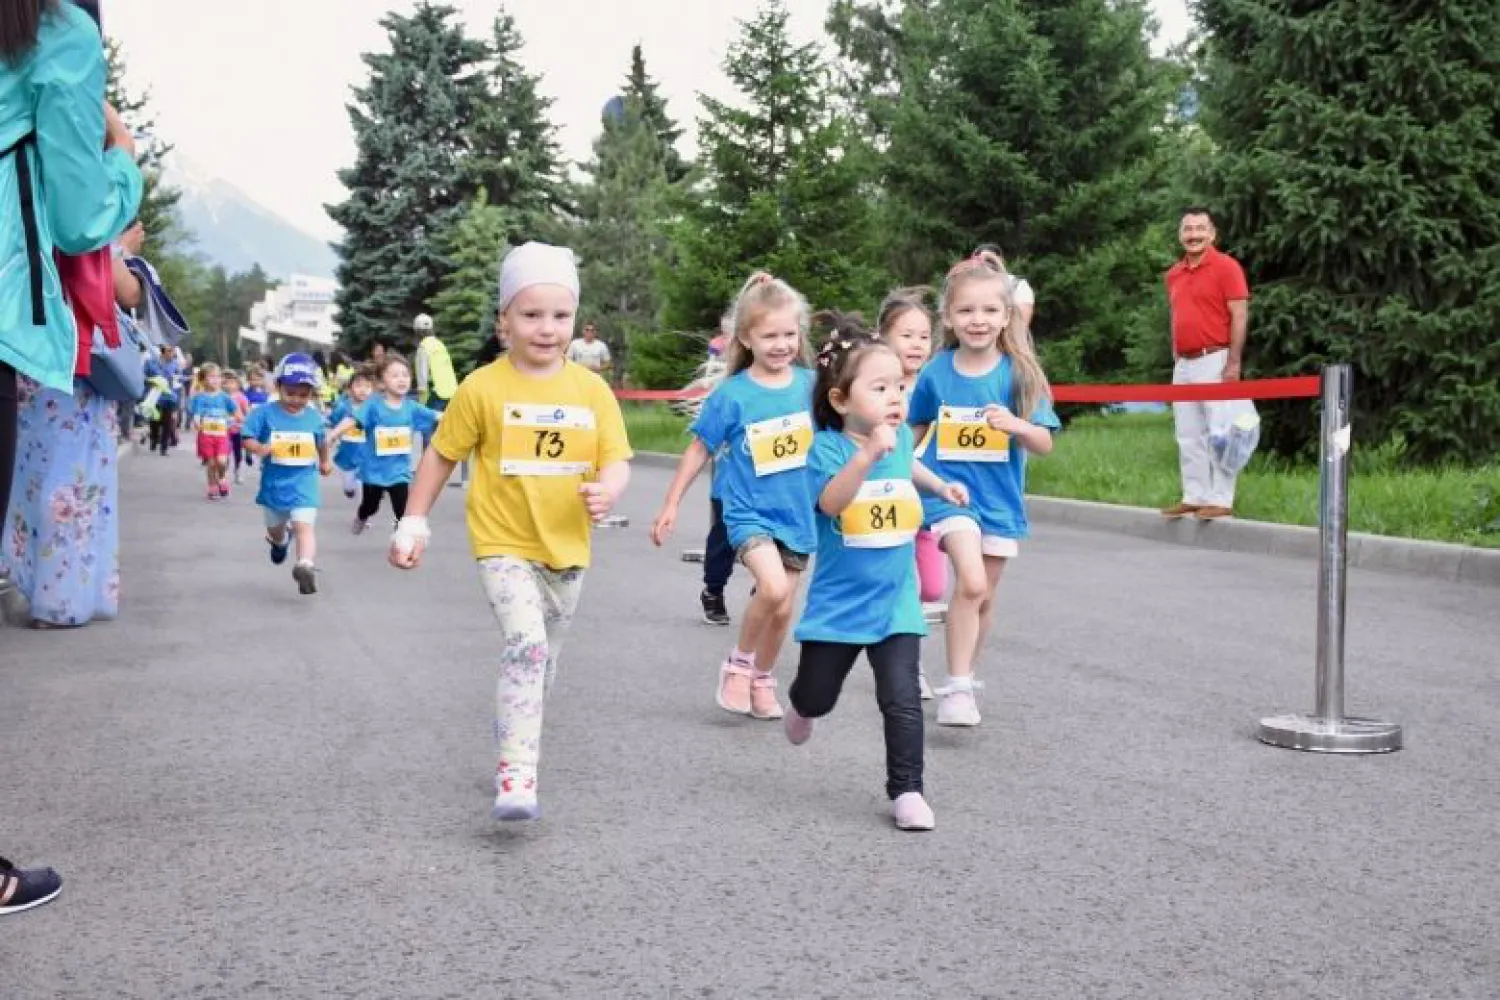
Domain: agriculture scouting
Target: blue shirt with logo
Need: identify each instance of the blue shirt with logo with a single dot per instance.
(997, 490)
(393, 469)
(859, 596)
(779, 504)
(285, 486)
(349, 455)
(213, 405)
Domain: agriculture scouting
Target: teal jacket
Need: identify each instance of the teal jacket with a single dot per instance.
(82, 197)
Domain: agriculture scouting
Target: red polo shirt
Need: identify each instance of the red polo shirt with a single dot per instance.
(1200, 297)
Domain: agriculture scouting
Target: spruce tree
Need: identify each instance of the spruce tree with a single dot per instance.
(517, 159)
(463, 310)
(1356, 179)
(1035, 125)
(652, 109)
(785, 189)
(619, 237)
(408, 185)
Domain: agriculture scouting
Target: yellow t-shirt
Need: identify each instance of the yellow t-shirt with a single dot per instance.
(534, 442)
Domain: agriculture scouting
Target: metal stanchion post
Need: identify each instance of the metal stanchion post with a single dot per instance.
(1327, 730)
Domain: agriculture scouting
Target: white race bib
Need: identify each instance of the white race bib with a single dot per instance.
(885, 513)
(293, 448)
(392, 441)
(964, 435)
(780, 444)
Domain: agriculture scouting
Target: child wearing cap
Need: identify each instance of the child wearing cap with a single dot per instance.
(551, 455)
(288, 435)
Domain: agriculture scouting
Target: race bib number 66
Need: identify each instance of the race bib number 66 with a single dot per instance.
(545, 440)
(964, 435)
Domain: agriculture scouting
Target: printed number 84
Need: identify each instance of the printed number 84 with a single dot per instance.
(882, 518)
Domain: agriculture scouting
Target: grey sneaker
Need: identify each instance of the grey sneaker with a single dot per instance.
(306, 576)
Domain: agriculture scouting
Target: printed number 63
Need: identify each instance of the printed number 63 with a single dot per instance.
(781, 447)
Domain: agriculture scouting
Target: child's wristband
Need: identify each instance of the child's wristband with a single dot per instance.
(410, 530)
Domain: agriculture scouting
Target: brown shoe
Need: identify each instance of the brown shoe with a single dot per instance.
(1181, 510)
(1213, 513)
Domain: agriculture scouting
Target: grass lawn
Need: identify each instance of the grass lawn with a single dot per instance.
(1132, 459)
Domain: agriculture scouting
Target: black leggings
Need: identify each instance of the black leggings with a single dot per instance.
(820, 678)
(370, 502)
(237, 448)
(718, 554)
(9, 404)
(164, 428)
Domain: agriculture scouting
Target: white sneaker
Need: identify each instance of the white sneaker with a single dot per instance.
(956, 704)
(515, 799)
(911, 812)
(922, 683)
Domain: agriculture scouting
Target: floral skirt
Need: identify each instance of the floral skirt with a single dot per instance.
(60, 539)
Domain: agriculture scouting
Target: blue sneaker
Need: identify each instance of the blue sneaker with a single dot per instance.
(22, 890)
(278, 552)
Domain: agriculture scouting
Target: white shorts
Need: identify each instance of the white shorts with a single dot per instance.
(995, 546)
(297, 515)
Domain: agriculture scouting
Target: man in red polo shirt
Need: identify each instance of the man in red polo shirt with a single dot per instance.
(1210, 304)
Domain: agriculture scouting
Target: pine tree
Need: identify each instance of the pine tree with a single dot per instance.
(158, 211)
(619, 237)
(1358, 152)
(785, 190)
(463, 310)
(409, 183)
(517, 160)
(1035, 125)
(653, 110)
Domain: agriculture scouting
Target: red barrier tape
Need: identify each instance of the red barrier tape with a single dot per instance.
(1300, 387)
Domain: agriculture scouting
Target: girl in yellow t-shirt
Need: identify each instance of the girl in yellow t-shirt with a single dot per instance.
(550, 457)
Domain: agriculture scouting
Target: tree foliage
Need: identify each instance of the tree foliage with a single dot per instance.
(463, 310)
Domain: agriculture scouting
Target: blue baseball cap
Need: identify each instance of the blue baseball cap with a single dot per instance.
(297, 369)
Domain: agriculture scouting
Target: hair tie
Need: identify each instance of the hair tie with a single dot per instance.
(761, 278)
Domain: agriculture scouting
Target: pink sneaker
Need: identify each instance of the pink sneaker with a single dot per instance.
(734, 688)
(798, 727)
(912, 812)
(223, 489)
(763, 703)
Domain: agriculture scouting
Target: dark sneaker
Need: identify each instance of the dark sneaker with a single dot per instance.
(306, 577)
(714, 611)
(278, 552)
(24, 890)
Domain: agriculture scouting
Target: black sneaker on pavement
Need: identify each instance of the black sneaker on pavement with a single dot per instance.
(714, 611)
(25, 889)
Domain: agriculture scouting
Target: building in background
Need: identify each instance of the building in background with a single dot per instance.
(298, 315)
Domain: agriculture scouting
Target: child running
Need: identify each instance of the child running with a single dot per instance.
(388, 422)
(214, 409)
(236, 390)
(863, 594)
(905, 325)
(760, 416)
(349, 457)
(288, 436)
(973, 390)
(552, 456)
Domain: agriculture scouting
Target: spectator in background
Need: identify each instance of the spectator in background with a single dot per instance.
(591, 352)
(74, 167)
(435, 381)
(162, 432)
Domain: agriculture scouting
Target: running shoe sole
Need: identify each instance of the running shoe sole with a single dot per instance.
(7, 910)
(515, 813)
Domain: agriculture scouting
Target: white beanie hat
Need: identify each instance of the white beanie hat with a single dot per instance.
(536, 264)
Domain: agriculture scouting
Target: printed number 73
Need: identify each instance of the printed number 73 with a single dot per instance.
(549, 444)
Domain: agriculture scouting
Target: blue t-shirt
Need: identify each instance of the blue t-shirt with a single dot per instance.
(213, 406)
(997, 489)
(350, 454)
(289, 476)
(769, 431)
(388, 438)
(170, 373)
(864, 583)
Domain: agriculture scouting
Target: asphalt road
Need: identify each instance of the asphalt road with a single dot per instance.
(256, 794)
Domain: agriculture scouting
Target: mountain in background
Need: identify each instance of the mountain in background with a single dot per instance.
(232, 229)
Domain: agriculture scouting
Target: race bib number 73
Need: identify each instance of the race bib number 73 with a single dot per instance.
(780, 444)
(885, 513)
(545, 440)
(965, 435)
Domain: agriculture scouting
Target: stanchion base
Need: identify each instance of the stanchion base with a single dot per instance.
(1304, 732)
(614, 521)
(692, 555)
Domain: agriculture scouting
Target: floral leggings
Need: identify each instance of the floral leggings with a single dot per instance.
(534, 606)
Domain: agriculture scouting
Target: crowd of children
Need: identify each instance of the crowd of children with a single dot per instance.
(874, 462)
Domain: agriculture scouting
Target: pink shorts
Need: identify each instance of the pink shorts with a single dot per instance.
(212, 446)
(932, 567)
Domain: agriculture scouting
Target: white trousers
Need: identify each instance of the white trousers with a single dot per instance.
(1204, 484)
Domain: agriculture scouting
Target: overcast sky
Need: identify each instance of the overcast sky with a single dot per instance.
(254, 90)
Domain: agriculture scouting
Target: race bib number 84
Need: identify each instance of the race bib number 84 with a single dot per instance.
(543, 440)
(964, 435)
(885, 513)
(780, 444)
(293, 448)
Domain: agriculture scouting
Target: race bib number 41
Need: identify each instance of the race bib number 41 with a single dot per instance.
(392, 441)
(885, 513)
(542, 440)
(965, 435)
(780, 444)
(293, 448)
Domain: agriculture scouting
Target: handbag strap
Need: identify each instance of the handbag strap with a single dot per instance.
(28, 223)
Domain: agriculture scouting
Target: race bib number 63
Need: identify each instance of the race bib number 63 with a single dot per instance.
(780, 444)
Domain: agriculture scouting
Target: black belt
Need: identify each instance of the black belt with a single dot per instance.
(28, 222)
